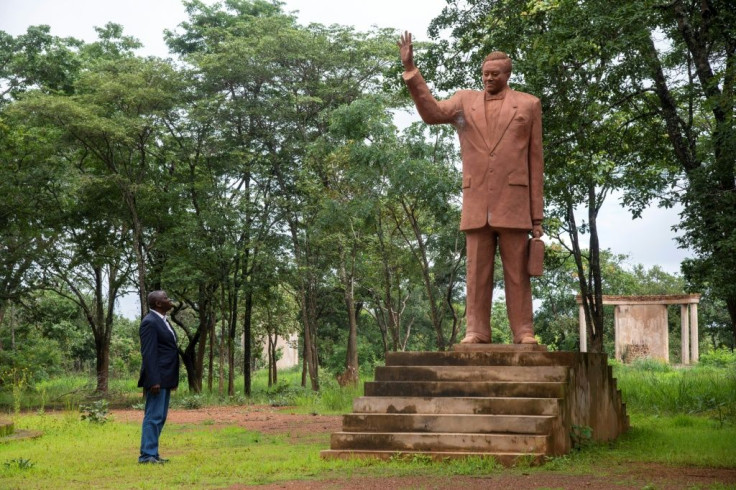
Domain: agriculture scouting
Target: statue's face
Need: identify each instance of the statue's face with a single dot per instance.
(495, 76)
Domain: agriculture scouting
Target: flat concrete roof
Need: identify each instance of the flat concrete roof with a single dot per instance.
(656, 299)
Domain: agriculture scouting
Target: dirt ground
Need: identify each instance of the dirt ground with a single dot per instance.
(261, 418)
(271, 420)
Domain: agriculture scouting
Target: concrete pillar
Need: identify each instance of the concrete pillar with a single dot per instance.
(694, 351)
(583, 330)
(685, 341)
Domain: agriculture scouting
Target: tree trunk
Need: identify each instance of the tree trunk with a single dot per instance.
(274, 358)
(247, 343)
(304, 366)
(269, 359)
(592, 303)
(731, 305)
(138, 247)
(211, 363)
(189, 358)
(221, 353)
(350, 375)
(102, 365)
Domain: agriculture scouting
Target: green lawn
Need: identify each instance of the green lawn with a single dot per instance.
(75, 453)
(680, 418)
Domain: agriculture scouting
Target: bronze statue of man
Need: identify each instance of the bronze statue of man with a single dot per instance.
(500, 132)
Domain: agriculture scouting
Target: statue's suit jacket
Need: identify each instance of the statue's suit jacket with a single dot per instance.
(160, 364)
(502, 172)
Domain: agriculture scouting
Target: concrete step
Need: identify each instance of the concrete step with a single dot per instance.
(472, 373)
(482, 358)
(457, 388)
(481, 424)
(505, 459)
(459, 405)
(442, 441)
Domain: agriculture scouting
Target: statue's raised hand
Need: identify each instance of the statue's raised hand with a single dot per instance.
(406, 51)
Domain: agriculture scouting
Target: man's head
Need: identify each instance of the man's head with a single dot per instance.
(159, 301)
(496, 72)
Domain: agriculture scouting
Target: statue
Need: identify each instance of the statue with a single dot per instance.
(500, 132)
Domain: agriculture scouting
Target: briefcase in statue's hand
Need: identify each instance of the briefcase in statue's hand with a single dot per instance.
(536, 256)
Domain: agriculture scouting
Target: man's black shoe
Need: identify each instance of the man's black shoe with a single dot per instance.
(150, 460)
(162, 460)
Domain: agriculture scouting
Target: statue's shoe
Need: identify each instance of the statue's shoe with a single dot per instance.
(528, 339)
(474, 339)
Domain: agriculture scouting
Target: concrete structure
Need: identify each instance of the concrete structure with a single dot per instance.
(509, 402)
(289, 347)
(9, 433)
(641, 326)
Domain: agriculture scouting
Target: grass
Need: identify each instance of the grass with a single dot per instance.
(72, 391)
(75, 453)
(679, 418)
(658, 389)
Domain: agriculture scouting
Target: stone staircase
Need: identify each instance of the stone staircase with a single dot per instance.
(505, 401)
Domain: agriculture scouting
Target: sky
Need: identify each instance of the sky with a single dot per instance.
(648, 240)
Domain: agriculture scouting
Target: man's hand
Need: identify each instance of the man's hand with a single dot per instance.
(406, 51)
(155, 389)
(537, 231)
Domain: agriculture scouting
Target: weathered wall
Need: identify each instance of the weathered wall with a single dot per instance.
(641, 331)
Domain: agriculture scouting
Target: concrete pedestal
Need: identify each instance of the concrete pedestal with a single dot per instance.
(501, 401)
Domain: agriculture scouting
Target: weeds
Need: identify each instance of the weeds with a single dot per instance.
(474, 465)
(581, 436)
(96, 412)
(656, 389)
(17, 379)
(190, 402)
(19, 463)
(719, 358)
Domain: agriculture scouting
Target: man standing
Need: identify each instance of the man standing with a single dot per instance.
(500, 132)
(159, 373)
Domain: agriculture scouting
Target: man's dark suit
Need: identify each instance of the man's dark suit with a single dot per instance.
(160, 355)
(160, 371)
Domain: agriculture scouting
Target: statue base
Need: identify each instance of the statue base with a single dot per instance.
(499, 348)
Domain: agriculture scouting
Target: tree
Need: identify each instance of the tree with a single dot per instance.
(699, 113)
(106, 136)
(37, 60)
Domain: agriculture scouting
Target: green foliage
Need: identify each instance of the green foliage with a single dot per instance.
(556, 319)
(96, 412)
(581, 436)
(719, 358)
(37, 356)
(190, 402)
(17, 379)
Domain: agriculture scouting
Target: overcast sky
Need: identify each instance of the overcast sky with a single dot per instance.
(648, 241)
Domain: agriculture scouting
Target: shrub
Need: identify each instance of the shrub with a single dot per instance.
(95, 412)
(191, 402)
(722, 357)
